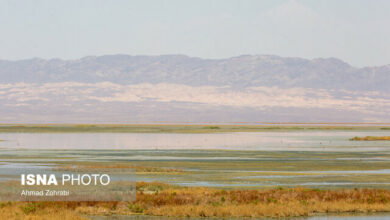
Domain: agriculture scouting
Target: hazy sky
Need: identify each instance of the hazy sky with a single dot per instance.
(356, 31)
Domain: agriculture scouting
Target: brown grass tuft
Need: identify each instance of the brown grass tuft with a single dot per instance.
(371, 138)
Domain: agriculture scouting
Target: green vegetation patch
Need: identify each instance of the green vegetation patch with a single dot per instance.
(371, 138)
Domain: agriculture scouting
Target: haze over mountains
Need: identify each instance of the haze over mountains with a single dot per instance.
(178, 88)
(239, 72)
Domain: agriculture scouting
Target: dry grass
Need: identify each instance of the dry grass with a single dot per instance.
(371, 138)
(206, 202)
(36, 211)
(167, 200)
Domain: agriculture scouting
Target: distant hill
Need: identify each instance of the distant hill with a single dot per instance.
(178, 88)
(238, 72)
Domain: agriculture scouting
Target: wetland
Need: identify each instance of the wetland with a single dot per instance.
(286, 160)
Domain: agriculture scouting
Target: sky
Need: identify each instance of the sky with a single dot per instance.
(356, 31)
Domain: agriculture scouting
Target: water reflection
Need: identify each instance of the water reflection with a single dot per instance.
(290, 141)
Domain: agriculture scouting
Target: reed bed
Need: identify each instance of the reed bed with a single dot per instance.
(206, 202)
(37, 211)
(160, 199)
(371, 138)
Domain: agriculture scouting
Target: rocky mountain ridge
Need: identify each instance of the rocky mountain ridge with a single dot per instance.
(237, 72)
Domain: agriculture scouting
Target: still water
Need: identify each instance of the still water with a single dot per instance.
(150, 148)
(274, 141)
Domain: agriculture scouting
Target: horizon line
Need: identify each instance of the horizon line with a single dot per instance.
(189, 56)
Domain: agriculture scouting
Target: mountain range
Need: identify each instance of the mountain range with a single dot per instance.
(178, 88)
(237, 72)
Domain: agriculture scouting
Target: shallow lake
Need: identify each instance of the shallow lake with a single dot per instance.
(269, 141)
